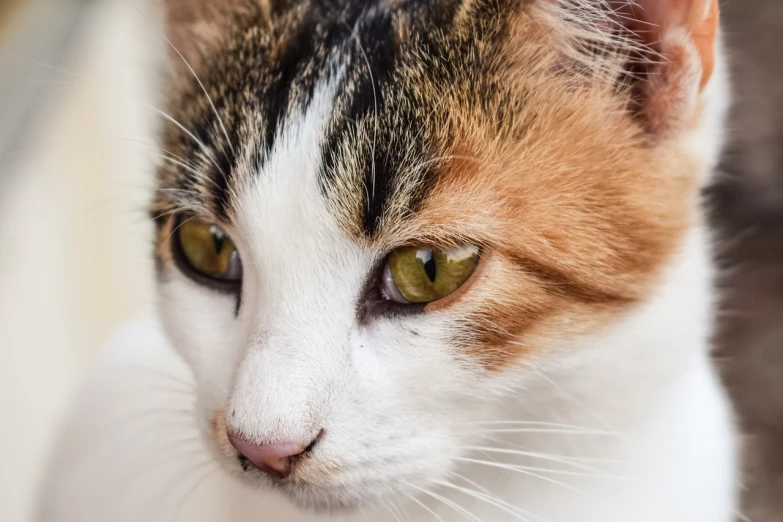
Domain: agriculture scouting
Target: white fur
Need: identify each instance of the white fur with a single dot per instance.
(653, 438)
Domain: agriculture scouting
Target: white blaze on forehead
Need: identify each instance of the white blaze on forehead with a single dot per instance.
(302, 278)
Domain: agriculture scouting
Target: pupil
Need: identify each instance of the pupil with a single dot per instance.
(429, 268)
(217, 239)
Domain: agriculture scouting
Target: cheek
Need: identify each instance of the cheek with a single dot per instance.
(412, 366)
(411, 397)
(203, 328)
(513, 317)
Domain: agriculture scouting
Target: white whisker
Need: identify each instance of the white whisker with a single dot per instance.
(156, 147)
(422, 165)
(566, 457)
(532, 472)
(491, 500)
(172, 482)
(129, 479)
(202, 146)
(472, 483)
(198, 173)
(152, 371)
(192, 490)
(558, 471)
(547, 430)
(204, 90)
(528, 423)
(391, 509)
(424, 507)
(535, 455)
(453, 505)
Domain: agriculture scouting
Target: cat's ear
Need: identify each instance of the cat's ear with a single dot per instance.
(195, 27)
(671, 50)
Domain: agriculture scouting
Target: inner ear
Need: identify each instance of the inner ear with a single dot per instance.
(663, 50)
(655, 22)
(675, 59)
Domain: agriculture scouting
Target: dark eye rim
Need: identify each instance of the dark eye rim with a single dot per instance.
(373, 304)
(233, 287)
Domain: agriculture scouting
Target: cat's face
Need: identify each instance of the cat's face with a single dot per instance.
(387, 217)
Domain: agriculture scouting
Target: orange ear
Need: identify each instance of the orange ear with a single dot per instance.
(655, 22)
(663, 50)
(681, 39)
(705, 34)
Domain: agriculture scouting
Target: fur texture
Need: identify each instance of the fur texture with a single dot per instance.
(566, 142)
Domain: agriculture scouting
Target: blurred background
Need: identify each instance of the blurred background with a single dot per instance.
(77, 78)
(75, 165)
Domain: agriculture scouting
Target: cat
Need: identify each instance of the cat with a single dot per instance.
(438, 260)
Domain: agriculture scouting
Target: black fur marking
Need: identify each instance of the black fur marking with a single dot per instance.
(226, 161)
(380, 133)
(372, 95)
(372, 56)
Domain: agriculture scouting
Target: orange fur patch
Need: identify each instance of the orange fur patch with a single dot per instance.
(578, 213)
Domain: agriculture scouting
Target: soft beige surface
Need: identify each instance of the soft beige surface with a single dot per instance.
(9, 11)
(74, 238)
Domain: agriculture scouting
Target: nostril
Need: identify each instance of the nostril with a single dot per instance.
(276, 459)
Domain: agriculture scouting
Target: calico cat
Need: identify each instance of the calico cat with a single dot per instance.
(424, 260)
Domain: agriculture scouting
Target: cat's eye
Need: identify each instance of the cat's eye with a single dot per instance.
(207, 253)
(421, 275)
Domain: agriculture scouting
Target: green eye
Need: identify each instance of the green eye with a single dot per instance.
(208, 251)
(423, 275)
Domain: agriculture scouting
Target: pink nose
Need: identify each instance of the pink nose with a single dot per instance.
(276, 459)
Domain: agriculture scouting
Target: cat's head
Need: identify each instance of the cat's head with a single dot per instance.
(378, 218)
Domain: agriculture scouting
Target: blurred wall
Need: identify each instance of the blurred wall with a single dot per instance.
(748, 216)
(74, 237)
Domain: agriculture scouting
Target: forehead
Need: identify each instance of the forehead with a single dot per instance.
(385, 124)
(395, 71)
